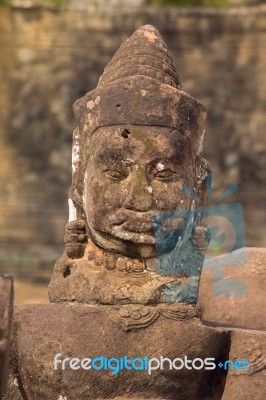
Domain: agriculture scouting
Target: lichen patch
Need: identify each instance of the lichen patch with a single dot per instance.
(151, 36)
(90, 104)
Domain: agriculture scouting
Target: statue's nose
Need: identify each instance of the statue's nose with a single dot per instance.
(139, 196)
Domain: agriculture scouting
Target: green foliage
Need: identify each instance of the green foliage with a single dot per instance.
(178, 3)
(6, 2)
(201, 3)
(187, 3)
(56, 3)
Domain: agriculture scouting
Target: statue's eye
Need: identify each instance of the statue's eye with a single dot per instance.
(164, 174)
(114, 174)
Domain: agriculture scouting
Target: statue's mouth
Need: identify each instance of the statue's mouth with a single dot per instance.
(134, 232)
(135, 237)
(137, 227)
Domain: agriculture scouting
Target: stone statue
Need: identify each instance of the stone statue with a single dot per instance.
(127, 283)
(154, 133)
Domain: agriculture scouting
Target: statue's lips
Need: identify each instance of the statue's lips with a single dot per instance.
(134, 232)
(133, 221)
(134, 226)
(135, 237)
(138, 227)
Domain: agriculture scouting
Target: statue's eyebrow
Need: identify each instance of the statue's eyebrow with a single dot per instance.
(174, 159)
(168, 155)
(111, 155)
(159, 155)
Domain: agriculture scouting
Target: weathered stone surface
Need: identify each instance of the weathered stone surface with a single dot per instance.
(245, 310)
(42, 331)
(6, 311)
(110, 278)
(91, 331)
(247, 384)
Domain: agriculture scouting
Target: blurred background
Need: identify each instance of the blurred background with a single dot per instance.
(53, 51)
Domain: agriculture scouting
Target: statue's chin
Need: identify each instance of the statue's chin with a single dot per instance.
(146, 251)
(130, 244)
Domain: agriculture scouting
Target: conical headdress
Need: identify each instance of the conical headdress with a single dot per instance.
(146, 54)
(140, 86)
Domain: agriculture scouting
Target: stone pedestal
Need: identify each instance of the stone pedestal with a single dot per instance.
(88, 331)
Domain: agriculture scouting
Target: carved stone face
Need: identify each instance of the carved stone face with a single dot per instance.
(133, 172)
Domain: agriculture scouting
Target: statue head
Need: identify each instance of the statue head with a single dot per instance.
(137, 146)
(137, 152)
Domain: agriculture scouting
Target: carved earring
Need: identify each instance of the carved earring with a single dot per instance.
(75, 239)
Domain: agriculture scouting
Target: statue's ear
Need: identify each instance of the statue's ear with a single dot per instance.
(201, 236)
(80, 106)
(204, 186)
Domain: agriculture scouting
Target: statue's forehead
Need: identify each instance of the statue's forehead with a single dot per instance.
(116, 141)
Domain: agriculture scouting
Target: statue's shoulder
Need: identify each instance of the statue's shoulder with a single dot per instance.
(235, 295)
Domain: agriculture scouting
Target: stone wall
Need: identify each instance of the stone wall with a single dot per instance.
(50, 58)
